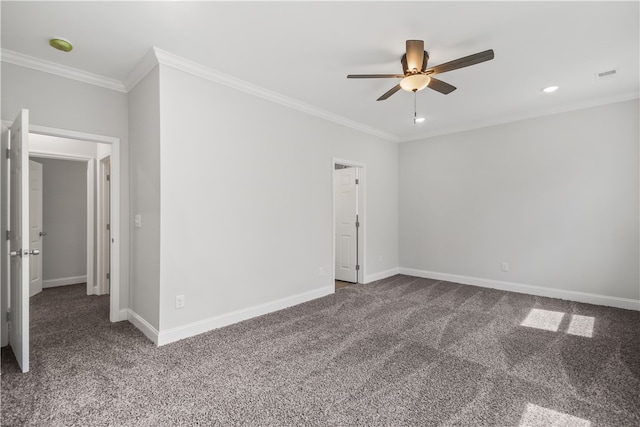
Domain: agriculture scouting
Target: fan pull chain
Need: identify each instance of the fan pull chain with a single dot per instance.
(416, 119)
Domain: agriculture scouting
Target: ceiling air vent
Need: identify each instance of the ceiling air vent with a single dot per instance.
(606, 75)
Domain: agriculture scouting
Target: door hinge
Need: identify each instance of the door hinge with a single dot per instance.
(8, 315)
(357, 221)
(8, 234)
(357, 267)
(8, 153)
(357, 181)
(108, 177)
(108, 226)
(108, 276)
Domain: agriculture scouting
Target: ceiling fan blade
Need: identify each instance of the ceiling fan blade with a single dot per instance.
(440, 86)
(389, 93)
(476, 58)
(415, 55)
(375, 76)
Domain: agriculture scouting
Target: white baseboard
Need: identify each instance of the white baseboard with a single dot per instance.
(199, 327)
(146, 328)
(609, 301)
(381, 275)
(123, 315)
(64, 281)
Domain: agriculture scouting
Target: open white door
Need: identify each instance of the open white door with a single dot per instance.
(35, 226)
(19, 239)
(344, 184)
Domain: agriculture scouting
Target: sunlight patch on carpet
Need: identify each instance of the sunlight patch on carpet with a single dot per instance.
(581, 325)
(543, 319)
(537, 416)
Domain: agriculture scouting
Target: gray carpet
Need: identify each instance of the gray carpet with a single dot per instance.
(401, 351)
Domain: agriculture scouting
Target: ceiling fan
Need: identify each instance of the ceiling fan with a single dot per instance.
(416, 74)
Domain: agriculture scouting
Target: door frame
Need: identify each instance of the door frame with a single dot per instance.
(32, 168)
(114, 299)
(362, 212)
(101, 222)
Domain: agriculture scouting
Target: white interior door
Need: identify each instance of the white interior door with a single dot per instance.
(19, 239)
(345, 199)
(35, 227)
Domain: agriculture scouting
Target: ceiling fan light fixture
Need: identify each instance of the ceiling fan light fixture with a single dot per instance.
(417, 120)
(550, 89)
(415, 82)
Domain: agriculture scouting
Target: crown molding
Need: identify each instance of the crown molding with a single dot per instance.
(157, 56)
(171, 60)
(148, 62)
(45, 66)
(629, 96)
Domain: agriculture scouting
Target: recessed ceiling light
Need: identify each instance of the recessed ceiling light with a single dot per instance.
(61, 44)
(550, 89)
(418, 120)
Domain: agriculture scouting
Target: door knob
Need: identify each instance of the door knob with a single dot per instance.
(16, 253)
(43, 233)
(34, 252)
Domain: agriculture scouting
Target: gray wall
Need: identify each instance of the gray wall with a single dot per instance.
(556, 197)
(247, 208)
(144, 131)
(64, 207)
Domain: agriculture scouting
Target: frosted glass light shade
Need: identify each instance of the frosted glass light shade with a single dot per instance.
(415, 82)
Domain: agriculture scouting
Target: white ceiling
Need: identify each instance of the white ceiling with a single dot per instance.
(304, 50)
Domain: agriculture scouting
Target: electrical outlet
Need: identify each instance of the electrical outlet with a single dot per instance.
(179, 301)
(504, 266)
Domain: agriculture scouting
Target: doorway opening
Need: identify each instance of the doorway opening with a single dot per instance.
(348, 222)
(74, 212)
(96, 152)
